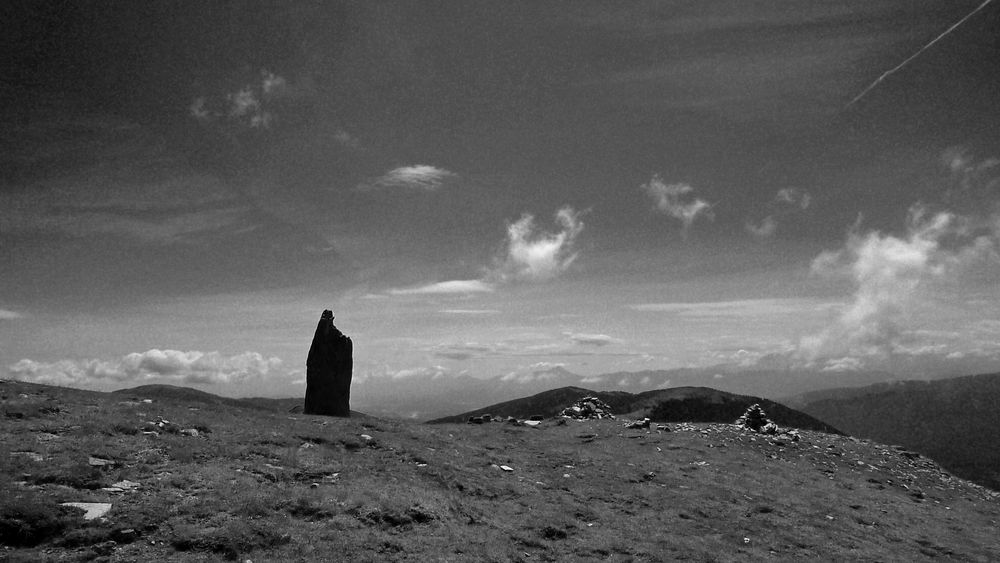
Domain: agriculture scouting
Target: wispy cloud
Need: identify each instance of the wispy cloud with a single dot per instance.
(539, 371)
(747, 308)
(248, 106)
(7, 315)
(585, 339)
(677, 200)
(534, 255)
(470, 311)
(786, 202)
(450, 287)
(431, 372)
(419, 177)
(765, 229)
(191, 367)
(794, 197)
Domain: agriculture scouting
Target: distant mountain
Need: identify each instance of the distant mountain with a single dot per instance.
(681, 404)
(422, 398)
(189, 395)
(954, 421)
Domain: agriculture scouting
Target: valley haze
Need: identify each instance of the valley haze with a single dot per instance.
(497, 199)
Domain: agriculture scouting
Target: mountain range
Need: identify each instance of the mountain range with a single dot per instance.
(954, 421)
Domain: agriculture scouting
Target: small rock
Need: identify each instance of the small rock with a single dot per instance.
(532, 422)
(314, 486)
(99, 462)
(189, 432)
(366, 437)
(506, 468)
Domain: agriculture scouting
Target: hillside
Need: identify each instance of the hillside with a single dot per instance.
(269, 486)
(954, 421)
(692, 404)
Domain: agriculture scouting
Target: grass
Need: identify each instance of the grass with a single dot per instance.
(264, 485)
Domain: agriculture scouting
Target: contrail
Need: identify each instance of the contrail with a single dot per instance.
(917, 54)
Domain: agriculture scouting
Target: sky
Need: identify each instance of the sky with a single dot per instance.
(496, 190)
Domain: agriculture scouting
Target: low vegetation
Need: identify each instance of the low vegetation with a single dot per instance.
(267, 485)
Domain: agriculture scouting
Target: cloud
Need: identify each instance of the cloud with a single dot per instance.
(530, 255)
(539, 371)
(746, 308)
(677, 201)
(887, 272)
(419, 177)
(433, 372)
(592, 339)
(249, 106)
(787, 201)
(191, 367)
(346, 139)
(537, 256)
(470, 311)
(764, 229)
(794, 197)
(7, 315)
(447, 288)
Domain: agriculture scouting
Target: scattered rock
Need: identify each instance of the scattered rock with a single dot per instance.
(588, 408)
(644, 423)
(755, 419)
(329, 369)
(91, 510)
(99, 462)
(193, 432)
(475, 420)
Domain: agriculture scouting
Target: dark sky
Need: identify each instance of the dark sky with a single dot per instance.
(192, 177)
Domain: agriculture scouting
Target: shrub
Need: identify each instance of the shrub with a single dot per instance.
(28, 520)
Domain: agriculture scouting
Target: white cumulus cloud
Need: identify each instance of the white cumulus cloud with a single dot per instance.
(677, 200)
(887, 271)
(535, 255)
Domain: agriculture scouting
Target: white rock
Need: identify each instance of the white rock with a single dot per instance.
(93, 509)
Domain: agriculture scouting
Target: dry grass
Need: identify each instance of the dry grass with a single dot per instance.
(268, 486)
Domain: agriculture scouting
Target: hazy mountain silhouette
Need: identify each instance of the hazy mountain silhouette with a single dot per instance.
(680, 404)
(954, 421)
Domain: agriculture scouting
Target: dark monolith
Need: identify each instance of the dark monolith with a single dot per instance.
(329, 368)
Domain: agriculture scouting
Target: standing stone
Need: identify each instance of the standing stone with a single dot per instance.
(329, 368)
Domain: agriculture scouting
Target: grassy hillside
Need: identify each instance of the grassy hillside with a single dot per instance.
(694, 404)
(955, 421)
(273, 486)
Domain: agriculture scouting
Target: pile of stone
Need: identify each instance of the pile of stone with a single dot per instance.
(588, 408)
(756, 419)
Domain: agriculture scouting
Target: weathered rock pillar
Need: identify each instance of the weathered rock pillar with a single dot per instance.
(329, 369)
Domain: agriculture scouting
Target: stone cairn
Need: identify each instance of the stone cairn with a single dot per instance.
(756, 419)
(329, 369)
(588, 408)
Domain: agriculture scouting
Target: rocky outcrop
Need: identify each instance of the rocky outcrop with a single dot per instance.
(329, 369)
(588, 408)
(756, 419)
